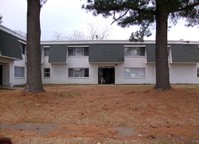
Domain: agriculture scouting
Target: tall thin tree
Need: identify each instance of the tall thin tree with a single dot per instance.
(34, 81)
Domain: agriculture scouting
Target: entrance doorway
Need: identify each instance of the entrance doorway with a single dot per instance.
(106, 75)
(1, 75)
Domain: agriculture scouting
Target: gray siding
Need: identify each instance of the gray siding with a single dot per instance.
(109, 53)
(185, 53)
(150, 53)
(57, 53)
(9, 45)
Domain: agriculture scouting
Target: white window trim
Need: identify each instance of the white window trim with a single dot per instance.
(135, 46)
(44, 74)
(79, 77)
(79, 46)
(23, 72)
(135, 68)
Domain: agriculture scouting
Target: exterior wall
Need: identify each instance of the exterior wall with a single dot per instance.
(179, 73)
(94, 71)
(135, 62)
(6, 78)
(20, 63)
(183, 74)
(59, 72)
(7, 65)
(181, 52)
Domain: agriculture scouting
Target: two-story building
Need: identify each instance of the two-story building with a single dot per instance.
(97, 62)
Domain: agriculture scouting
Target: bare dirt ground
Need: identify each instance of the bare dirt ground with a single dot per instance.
(93, 114)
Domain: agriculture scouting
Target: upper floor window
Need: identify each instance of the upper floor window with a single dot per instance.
(78, 72)
(23, 48)
(46, 51)
(78, 51)
(19, 72)
(134, 51)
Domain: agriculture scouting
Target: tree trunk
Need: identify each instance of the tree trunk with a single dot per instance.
(34, 82)
(162, 69)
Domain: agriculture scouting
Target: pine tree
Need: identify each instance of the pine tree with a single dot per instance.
(147, 13)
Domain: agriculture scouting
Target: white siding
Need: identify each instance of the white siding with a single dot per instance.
(6, 79)
(59, 72)
(19, 63)
(179, 73)
(134, 62)
(183, 73)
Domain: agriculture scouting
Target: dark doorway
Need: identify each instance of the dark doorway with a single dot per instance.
(106, 75)
(1, 75)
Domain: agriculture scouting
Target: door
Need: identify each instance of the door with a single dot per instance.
(1, 75)
(106, 75)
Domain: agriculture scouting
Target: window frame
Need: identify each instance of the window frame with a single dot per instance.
(72, 51)
(135, 47)
(18, 75)
(85, 73)
(137, 76)
(46, 51)
(48, 73)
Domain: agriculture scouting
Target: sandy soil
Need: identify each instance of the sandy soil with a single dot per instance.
(101, 114)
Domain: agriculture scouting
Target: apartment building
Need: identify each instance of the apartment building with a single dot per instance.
(96, 62)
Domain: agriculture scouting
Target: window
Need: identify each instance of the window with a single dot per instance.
(78, 51)
(19, 72)
(23, 48)
(198, 72)
(134, 72)
(78, 72)
(134, 51)
(46, 72)
(46, 51)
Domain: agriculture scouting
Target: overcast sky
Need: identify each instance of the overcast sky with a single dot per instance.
(66, 16)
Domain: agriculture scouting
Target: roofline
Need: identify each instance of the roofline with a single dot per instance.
(1, 56)
(7, 30)
(125, 42)
(106, 62)
(184, 62)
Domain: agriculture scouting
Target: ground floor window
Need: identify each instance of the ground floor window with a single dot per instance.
(19, 72)
(78, 72)
(134, 72)
(46, 72)
(198, 72)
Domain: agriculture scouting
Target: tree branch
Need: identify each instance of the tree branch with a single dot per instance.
(187, 7)
(116, 19)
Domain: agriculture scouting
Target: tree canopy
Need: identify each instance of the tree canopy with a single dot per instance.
(143, 13)
(147, 13)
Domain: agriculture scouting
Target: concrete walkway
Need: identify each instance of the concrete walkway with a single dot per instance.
(49, 130)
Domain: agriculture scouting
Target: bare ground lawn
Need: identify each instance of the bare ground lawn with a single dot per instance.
(101, 115)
